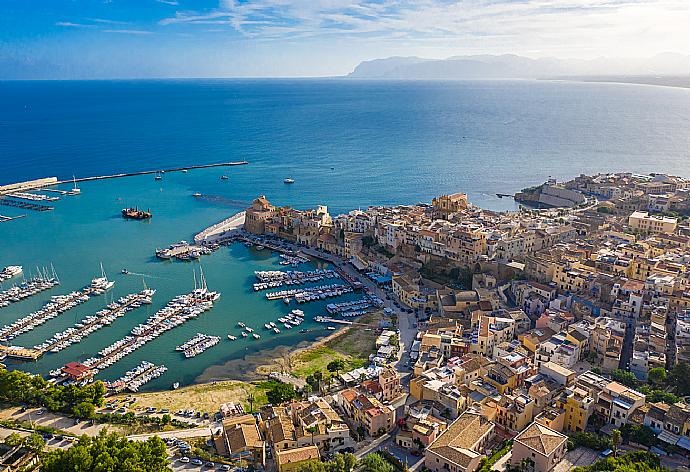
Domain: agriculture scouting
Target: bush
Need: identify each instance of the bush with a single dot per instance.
(638, 461)
(639, 434)
(591, 441)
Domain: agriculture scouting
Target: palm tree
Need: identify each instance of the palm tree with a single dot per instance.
(250, 400)
(615, 439)
(312, 430)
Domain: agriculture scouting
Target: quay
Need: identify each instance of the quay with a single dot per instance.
(276, 278)
(156, 171)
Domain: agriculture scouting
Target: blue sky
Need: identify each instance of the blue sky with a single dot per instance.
(240, 38)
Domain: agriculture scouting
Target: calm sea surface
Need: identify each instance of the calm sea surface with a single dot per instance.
(347, 144)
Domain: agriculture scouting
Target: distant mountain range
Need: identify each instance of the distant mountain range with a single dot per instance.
(510, 66)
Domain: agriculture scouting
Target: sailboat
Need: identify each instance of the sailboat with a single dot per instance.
(101, 284)
(158, 176)
(76, 190)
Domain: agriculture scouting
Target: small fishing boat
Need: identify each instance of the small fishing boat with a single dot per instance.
(125, 271)
(196, 194)
(288, 180)
(223, 177)
(176, 385)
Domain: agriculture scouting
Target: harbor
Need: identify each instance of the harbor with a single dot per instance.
(183, 251)
(129, 247)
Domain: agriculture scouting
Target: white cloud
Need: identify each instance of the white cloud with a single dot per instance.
(128, 31)
(577, 27)
(69, 24)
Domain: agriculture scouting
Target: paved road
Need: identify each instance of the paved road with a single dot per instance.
(180, 433)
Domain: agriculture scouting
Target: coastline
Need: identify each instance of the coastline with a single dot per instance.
(256, 366)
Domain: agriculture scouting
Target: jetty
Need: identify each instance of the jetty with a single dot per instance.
(5, 219)
(184, 251)
(222, 229)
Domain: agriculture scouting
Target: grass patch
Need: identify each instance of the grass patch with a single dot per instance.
(204, 397)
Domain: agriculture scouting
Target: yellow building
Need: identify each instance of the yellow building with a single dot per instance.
(292, 459)
(646, 223)
(258, 215)
(578, 406)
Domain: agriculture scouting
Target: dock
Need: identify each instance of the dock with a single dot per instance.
(4, 219)
(11, 202)
(27, 289)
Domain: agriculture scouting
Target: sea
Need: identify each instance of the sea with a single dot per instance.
(347, 144)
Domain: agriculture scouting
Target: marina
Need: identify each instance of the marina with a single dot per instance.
(28, 289)
(92, 323)
(178, 311)
(184, 251)
(277, 278)
(11, 202)
(57, 305)
(9, 272)
(197, 345)
(310, 294)
(350, 309)
(137, 377)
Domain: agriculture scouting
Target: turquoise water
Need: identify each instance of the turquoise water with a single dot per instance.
(87, 229)
(347, 144)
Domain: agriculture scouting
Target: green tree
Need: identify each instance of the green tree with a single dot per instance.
(639, 434)
(281, 393)
(637, 461)
(350, 461)
(34, 442)
(312, 466)
(624, 377)
(13, 440)
(375, 463)
(336, 366)
(84, 410)
(250, 400)
(680, 379)
(109, 453)
(306, 390)
(166, 419)
(657, 376)
(312, 430)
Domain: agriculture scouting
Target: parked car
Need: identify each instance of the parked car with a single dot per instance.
(197, 462)
(184, 459)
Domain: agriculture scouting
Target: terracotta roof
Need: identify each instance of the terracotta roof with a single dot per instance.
(541, 439)
(299, 454)
(457, 442)
(243, 436)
